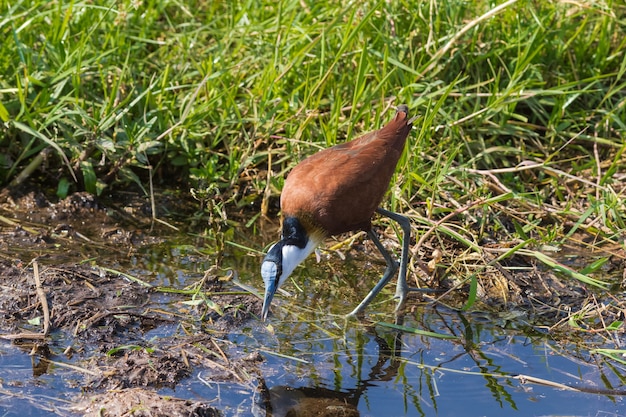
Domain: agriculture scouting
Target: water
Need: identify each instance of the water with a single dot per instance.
(316, 361)
(498, 364)
(385, 373)
(31, 387)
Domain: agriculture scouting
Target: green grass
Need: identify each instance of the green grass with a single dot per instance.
(522, 106)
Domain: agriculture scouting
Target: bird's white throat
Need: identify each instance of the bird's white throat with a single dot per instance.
(293, 256)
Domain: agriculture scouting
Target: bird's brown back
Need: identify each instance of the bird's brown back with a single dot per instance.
(338, 189)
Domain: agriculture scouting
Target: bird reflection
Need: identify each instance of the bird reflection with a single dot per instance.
(286, 401)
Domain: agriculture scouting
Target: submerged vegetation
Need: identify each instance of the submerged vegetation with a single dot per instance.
(517, 151)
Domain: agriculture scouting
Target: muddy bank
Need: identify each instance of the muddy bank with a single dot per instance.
(124, 337)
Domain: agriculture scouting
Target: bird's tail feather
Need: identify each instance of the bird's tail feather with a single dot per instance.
(403, 108)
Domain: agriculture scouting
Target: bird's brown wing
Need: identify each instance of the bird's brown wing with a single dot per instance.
(338, 189)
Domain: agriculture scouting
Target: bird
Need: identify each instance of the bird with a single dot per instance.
(338, 190)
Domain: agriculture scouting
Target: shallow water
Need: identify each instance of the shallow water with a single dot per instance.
(316, 361)
(314, 358)
(426, 376)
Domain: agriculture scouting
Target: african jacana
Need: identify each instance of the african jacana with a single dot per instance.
(334, 191)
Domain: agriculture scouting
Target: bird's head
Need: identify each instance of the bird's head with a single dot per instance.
(284, 256)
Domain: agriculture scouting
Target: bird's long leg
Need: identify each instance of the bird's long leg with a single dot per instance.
(392, 267)
(402, 287)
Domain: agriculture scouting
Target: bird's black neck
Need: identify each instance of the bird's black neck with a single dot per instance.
(294, 233)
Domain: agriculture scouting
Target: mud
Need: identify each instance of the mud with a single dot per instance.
(143, 403)
(107, 319)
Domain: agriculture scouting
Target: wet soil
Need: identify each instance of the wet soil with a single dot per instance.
(108, 318)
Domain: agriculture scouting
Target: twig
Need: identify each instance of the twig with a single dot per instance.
(526, 165)
(10, 222)
(30, 168)
(444, 219)
(74, 367)
(42, 299)
(219, 349)
(24, 335)
(41, 295)
(153, 204)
